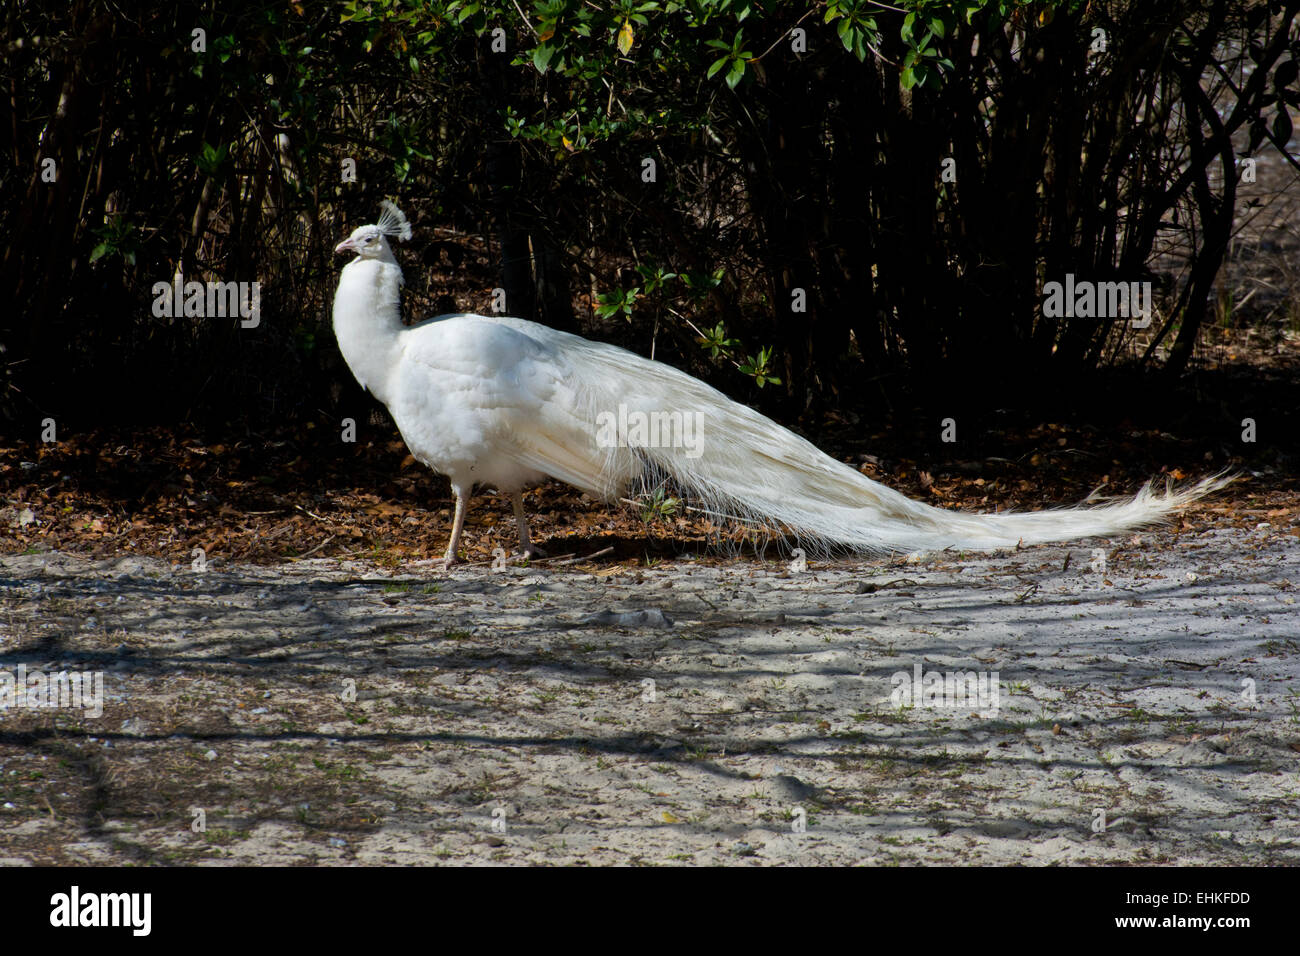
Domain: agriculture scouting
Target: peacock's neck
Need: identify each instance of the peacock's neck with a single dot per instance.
(368, 321)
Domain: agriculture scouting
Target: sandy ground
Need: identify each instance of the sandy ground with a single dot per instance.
(696, 711)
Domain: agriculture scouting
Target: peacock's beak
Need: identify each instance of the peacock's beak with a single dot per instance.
(347, 245)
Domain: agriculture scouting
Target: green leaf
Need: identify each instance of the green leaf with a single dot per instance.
(1286, 74)
(542, 57)
(1282, 127)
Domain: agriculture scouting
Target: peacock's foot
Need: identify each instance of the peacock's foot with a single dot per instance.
(450, 559)
(532, 551)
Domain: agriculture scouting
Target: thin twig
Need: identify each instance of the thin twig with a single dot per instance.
(589, 557)
(755, 59)
(527, 23)
(556, 557)
(308, 554)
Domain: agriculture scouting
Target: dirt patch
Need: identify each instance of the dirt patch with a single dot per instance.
(696, 710)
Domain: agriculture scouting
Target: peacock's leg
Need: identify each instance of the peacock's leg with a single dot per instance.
(526, 546)
(457, 523)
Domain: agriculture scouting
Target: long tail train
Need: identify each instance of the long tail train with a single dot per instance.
(751, 468)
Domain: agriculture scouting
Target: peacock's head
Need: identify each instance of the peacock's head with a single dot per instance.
(368, 242)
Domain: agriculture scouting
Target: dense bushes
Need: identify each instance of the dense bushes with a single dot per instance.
(825, 199)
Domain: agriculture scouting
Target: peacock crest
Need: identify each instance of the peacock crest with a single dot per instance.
(393, 222)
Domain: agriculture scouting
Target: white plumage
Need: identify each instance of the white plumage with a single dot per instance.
(503, 402)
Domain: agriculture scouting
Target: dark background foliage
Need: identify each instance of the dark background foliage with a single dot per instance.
(797, 148)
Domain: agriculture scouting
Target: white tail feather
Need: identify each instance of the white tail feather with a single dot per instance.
(751, 468)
